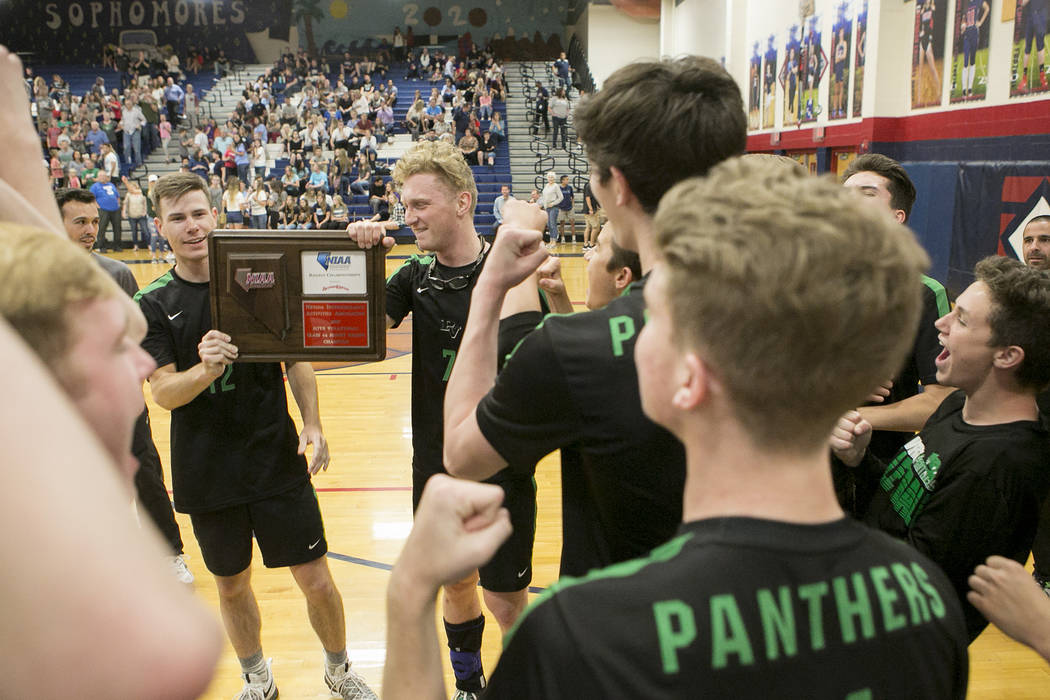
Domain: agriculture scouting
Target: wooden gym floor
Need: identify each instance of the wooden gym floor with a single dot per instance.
(366, 499)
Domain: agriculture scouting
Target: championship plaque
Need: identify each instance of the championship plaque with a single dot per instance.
(298, 295)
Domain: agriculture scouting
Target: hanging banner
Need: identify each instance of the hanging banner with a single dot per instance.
(769, 84)
(970, 51)
(858, 60)
(1028, 65)
(842, 33)
(927, 61)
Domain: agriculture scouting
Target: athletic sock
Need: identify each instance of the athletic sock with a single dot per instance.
(254, 665)
(335, 662)
(464, 644)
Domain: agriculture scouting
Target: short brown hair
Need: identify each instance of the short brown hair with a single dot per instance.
(175, 186)
(660, 122)
(799, 298)
(1020, 314)
(901, 188)
(441, 159)
(44, 277)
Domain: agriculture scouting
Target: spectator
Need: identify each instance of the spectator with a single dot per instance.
(108, 199)
(566, 211)
(257, 203)
(563, 69)
(234, 204)
(95, 137)
(135, 212)
(110, 163)
(497, 204)
(487, 150)
(318, 180)
(173, 98)
(468, 146)
(552, 195)
(559, 109)
(540, 106)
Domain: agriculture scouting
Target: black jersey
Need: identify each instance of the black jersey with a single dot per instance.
(572, 383)
(919, 367)
(960, 493)
(746, 608)
(438, 319)
(235, 442)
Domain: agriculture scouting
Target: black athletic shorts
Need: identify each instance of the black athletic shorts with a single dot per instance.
(287, 526)
(511, 567)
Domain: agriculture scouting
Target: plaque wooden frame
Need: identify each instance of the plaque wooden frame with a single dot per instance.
(298, 295)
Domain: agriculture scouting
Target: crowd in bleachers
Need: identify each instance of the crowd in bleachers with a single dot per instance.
(302, 127)
(306, 129)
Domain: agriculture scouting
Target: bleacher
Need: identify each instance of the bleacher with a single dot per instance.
(82, 78)
(489, 179)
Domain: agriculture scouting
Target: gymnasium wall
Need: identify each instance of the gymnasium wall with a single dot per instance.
(74, 31)
(612, 39)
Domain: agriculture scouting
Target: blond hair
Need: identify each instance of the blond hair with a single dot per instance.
(441, 159)
(797, 296)
(176, 186)
(44, 276)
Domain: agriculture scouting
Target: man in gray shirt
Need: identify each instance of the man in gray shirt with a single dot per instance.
(497, 204)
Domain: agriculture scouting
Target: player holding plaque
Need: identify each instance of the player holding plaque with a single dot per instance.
(238, 465)
(439, 196)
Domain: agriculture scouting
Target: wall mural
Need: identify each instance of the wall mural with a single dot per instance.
(75, 32)
(337, 25)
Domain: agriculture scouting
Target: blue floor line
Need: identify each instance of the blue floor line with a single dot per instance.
(387, 567)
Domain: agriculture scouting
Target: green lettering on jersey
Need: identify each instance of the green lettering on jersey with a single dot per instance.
(450, 356)
(858, 607)
(621, 328)
(917, 605)
(891, 619)
(936, 603)
(675, 628)
(812, 593)
(224, 382)
(862, 694)
(778, 622)
(728, 634)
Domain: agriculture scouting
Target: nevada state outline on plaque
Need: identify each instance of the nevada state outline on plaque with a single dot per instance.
(258, 282)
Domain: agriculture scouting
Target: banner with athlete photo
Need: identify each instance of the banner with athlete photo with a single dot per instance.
(769, 83)
(789, 84)
(838, 86)
(858, 57)
(812, 64)
(1028, 58)
(970, 51)
(927, 61)
(754, 88)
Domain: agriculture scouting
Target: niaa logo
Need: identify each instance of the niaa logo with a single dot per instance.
(325, 259)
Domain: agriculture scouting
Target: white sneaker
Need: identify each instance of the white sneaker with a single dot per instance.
(465, 695)
(258, 688)
(348, 685)
(181, 571)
